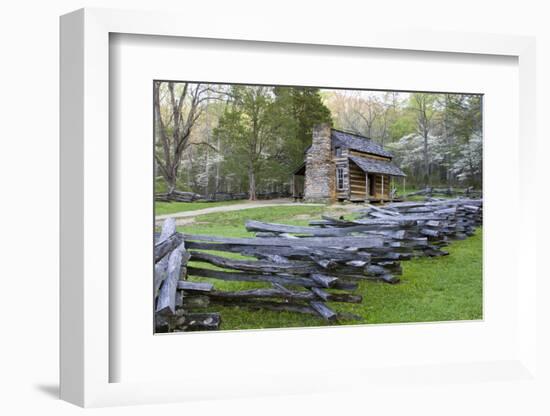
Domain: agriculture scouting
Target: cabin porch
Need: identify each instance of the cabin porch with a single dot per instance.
(367, 186)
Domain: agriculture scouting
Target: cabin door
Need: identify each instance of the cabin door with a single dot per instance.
(370, 190)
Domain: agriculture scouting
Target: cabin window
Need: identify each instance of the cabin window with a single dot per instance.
(340, 178)
(338, 151)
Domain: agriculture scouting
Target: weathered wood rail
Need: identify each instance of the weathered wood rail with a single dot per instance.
(430, 191)
(179, 196)
(176, 300)
(301, 266)
(438, 219)
(295, 272)
(401, 231)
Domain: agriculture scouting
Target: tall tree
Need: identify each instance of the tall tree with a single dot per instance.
(422, 104)
(382, 116)
(465, 114)
(295, 111)
(446, 145)
(389, 114)
(247, 128)
(177, 107)
(371, 113)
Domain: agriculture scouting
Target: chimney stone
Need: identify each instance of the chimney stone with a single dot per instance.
(320, 169)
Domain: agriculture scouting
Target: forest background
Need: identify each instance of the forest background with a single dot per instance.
(212, 138)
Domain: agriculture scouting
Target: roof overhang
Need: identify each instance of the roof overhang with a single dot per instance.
(382, 167)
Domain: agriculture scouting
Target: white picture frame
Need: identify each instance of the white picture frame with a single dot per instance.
(85, 263)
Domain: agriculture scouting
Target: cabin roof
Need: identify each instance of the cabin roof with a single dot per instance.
(377, 166)
(356, 142)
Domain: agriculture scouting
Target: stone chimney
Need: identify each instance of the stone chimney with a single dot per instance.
(320, 171)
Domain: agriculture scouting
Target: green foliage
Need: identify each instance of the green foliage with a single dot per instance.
(247, 138)
(431, 289)
(299, 109)
(160, 185)
(443, 146)
(464, 115)
(247, 131)
(265, 130)
(295, 111)
(404, 124)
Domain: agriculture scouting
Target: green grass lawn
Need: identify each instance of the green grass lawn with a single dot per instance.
(431, 289)
(162, 208)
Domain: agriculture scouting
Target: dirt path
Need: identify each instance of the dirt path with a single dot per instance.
(188, 217)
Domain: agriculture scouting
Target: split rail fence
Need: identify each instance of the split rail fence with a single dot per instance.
(179, 196)
(304, 266)
(469, 192)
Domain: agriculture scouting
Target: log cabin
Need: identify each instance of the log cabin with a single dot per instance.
(342, 166)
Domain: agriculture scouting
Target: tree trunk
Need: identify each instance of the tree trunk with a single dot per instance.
(251, 183)
(426, 162)
(170, 183)
(172, 135)
(217, 185)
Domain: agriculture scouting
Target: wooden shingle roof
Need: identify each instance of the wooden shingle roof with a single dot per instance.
(356, 142)
(383, 167)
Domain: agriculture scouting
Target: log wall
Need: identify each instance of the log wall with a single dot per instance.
(342, 162)
(358, 183)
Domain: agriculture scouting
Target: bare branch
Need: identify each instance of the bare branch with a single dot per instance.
(204, 144)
